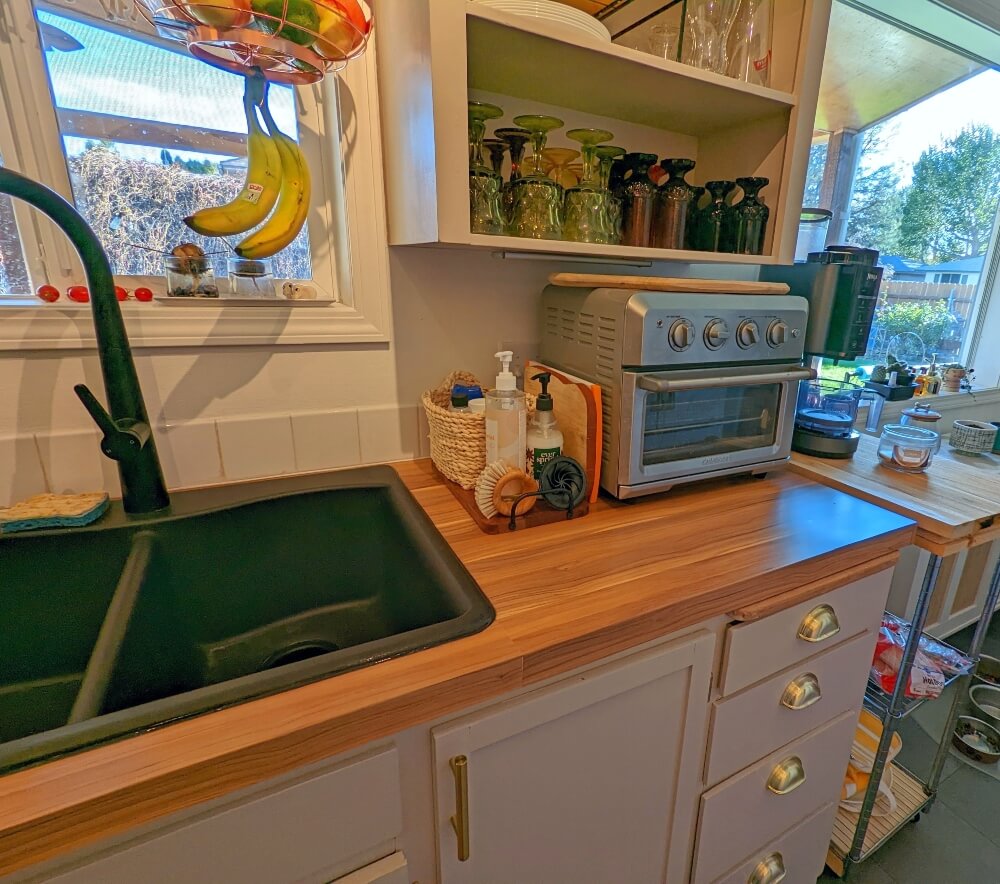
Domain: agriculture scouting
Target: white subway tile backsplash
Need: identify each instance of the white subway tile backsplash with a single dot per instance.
(325, 440)
(73, 463)
(207, 452)
(21, 473)
(388, 433)
(189, 453)
(256, 446)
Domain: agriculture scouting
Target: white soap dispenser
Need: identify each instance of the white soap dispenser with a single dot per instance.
(506, 418)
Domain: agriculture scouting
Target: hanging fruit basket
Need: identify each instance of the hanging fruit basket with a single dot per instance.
(294, 42)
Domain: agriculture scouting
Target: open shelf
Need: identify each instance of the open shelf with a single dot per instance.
(509, 54)
(911, 799)
(562, 248)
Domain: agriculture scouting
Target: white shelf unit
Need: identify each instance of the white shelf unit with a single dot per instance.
(436, 54)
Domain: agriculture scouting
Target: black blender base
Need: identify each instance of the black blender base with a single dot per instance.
(818, 445)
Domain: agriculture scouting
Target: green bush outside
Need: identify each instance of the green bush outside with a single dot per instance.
(931, 322)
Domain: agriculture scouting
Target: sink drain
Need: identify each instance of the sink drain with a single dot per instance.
(298, 652)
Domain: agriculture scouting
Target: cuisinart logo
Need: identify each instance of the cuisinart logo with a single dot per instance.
(716, 459)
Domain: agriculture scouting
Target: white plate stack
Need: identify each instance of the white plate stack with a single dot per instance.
(553, 13)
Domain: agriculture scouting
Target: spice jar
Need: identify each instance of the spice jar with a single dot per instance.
(907, 449)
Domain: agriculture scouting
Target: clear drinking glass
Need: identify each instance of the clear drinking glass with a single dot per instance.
(485, 185)
(749, 46)
(586, 216)
(537, 211)
(706, 32)
(251, 278)
(664, 41)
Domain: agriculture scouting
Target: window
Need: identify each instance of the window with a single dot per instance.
(141, 158)
(99, 107)
(912, 171)
(956, 278)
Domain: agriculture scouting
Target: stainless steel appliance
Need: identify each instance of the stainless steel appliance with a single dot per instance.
(841, 285)
(693, 385)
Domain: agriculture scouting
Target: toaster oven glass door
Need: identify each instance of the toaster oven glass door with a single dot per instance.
(707, 422)
(684, 423)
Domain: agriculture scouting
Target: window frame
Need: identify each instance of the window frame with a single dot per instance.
(346, 220)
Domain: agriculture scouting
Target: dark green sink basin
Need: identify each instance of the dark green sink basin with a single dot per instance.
(246, 590)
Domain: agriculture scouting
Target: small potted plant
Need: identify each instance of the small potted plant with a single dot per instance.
(881, 374)
(952, 376)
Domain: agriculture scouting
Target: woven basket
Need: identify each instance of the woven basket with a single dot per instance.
(458, 439)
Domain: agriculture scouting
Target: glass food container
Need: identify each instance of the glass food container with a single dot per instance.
(907, 449)
(251, 278)
(189, 277)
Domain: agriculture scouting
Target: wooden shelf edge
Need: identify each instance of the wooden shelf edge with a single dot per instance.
(632, 56)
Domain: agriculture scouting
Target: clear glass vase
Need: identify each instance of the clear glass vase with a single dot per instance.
(748, 49)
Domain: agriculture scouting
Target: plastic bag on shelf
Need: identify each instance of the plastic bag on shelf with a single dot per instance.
(934, 663)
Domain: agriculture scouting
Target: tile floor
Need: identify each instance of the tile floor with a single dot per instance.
(958, 841)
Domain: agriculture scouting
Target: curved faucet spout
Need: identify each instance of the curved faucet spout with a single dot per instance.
(127, 436)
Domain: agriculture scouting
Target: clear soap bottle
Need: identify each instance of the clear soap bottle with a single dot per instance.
(506, 418)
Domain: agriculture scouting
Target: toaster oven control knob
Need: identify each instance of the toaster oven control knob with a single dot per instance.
(681, 334)
(747, 334)
(716, 333)
(777, 333)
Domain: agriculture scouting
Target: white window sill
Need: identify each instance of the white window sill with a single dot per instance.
(31, 325)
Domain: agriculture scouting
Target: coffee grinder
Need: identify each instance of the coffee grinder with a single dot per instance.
(841, 284)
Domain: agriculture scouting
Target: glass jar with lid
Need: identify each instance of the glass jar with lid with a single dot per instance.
(907, 448)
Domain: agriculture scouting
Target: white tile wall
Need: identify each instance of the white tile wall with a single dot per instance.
(21, 473)
(207, 452)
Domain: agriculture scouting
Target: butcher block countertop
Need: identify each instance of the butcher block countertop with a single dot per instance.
(955, 502)
(565, 595)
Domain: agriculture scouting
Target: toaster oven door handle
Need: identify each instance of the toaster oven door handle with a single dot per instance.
(658, 383)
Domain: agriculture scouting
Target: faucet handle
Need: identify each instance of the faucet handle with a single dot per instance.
(123, 438)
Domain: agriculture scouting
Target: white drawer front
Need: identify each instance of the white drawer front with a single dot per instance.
(760, 649)
(297, 833)
(742, 813)
(748, 725)
(801, 853)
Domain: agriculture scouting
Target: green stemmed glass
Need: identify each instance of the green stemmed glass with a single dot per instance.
(485, 185)
(587, 218)
(606, 156)
(516, 140)
(537, 198)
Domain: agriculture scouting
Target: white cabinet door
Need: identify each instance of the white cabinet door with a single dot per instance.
(589, 781)
(391, 870)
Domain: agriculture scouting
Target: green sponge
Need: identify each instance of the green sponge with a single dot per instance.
(53, 511)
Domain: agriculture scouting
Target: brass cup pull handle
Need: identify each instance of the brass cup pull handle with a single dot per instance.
(770, 870)
(787, 776)
(801, 692)
(819, 624)
(460, 821)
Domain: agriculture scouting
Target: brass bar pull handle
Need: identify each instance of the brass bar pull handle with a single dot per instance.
(770, 870)
(460, 821)
(787, 776)
(801, 692)
(819, 624)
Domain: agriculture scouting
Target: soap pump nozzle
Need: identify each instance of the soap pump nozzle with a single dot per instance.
(543, 401)
(506, 379)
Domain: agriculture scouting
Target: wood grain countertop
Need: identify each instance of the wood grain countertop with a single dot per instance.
(955, 503)
(565, 594)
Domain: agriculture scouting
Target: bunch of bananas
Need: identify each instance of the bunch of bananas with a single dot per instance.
(277, 178)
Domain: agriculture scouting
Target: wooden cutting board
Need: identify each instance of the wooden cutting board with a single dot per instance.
(576, 404)
(668, 284)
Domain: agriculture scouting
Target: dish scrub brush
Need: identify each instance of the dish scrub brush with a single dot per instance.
(499, 485)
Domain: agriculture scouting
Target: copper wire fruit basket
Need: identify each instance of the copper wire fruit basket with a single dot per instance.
(295, 42)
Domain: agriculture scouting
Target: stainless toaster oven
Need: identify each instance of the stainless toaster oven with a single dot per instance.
(693, 385)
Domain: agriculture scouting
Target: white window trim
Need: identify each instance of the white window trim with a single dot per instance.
(363, 313)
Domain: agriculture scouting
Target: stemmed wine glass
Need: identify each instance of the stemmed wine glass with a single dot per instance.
(606, 155)
(586, 206)
(537, 198)
(516, 140)
(496, 148)
(557, 162)
(485, 213)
